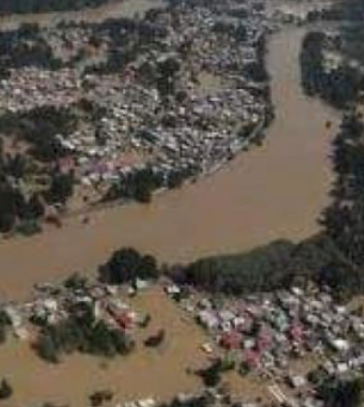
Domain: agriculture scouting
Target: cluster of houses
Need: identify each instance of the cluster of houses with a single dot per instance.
(196, 132)
(267, 333)
(53, 304)
(29, 88)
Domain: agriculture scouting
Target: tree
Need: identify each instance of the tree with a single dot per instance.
(342, 393)
(4, 323)
(47, 348)
(6, 391)
(35, 208)
(211, 376)
(126, 265)
(61, 189)
(99, 397)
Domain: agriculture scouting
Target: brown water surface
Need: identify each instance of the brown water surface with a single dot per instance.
(276, 191)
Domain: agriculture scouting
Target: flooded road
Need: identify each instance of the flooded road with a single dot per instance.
(275, 191)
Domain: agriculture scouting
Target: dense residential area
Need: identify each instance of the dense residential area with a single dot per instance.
(120, 109)
(182, 204)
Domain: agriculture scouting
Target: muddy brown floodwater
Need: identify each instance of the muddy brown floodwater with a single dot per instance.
(275, 191)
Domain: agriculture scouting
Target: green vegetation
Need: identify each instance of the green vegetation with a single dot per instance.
(42, 6)
(15, 208)
(344, 218)
(274, 266)
(32, 177)
(126, 265)
(4, 324)
(6, 391)
(337, 82)
(39, 128)
(352, 38)
(82, 332)
(348, 11)
(212, 375)
(342, 393)
(99, 397)
(25, 47)
(137, 186)
(259, 270)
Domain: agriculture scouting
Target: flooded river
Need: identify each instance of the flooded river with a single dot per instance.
(275, 191)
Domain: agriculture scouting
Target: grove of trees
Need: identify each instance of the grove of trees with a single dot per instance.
(126, 265)
(81, 332)
(344, 218)
(339, 86)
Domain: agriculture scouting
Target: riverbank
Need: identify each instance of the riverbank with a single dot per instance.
(275, 191)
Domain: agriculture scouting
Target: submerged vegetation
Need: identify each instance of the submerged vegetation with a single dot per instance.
(81, 332)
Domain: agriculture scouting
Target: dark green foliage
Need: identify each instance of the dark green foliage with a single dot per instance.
(29, 227)
(76, 282)
(348, 11)
(275, 266)
(137, 186)
(12, 205)
(39, 127)
(81, 332)
(61, 188)
(42, 6)
(126, 265)
(344, 218)
(342, 393)
(211, 376)
(35, 207)
(167, 72)
(259, 270)
(257, 71)
(47, 348)
(6, 391)
(340, 86)
(99, 397)
(4, 324)
(25, 47)
(353, 41)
